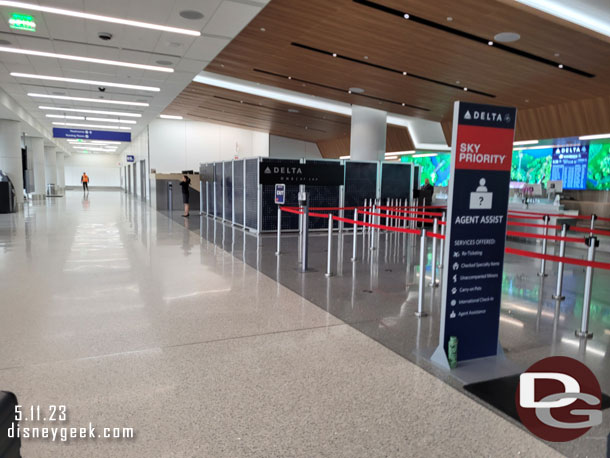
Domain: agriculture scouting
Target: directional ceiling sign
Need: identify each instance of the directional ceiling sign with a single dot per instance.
(92, 134)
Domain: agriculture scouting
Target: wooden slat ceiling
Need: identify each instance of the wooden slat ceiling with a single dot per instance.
(289, 38)
(355, 31)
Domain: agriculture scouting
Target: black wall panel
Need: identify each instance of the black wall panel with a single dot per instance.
(252, 193)
(218, 179)
(269, 213)
(228, 190)
(395, 181)
(360, 182)
(322, 196)
(238, 193)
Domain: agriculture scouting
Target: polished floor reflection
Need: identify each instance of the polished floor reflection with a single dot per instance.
(378, 295)
(130, 319)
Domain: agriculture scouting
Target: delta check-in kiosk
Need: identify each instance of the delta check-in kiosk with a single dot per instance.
(477, 209)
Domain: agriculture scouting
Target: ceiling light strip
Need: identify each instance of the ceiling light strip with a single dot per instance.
(81, 81)
(120, 121)
(98, 17)
(93, 126)
(93, 60)
(389, 69)
(82, 110)
(472, 37)
(594, 137)
(278, 75)
(86, 99)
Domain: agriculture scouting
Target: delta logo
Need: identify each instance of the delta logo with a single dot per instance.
(487, 116)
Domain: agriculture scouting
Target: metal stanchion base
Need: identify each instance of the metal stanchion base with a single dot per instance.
(558, 298)
(540, 274)
(436, 284)
(277, 253)
(420, 314)
(327, 275)
(353, 259)
(587, 335)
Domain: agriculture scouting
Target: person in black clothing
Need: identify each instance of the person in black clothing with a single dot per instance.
(427, 191)
(186, 181)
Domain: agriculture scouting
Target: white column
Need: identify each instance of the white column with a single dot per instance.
(36, 154)
(61, 174)
(10, 156)
(50, 165)
(368, 134)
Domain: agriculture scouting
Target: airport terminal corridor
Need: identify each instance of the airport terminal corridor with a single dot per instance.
(129, 321)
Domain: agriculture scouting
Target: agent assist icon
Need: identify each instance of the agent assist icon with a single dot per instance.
(481, 199)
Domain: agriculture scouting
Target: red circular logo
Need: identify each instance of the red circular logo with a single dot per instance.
(559, 399)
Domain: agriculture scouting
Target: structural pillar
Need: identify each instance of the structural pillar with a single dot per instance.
(61, 174)
(11, 161)
(35, 147)
(50, 165)
(368, 134)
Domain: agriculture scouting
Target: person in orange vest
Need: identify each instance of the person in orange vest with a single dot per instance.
(85, 181)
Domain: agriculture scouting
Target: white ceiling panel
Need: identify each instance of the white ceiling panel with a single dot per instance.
(230, 18)
(206, 48)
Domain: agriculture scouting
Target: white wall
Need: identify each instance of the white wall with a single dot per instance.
(139, 149)
(289, 148)
(183, 145)
(103, 169)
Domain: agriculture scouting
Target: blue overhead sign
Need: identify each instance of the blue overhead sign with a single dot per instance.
(131, 158)
(85, 134)
(477, 209)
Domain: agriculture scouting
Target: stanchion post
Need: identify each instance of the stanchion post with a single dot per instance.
(279, 231)
(443, 226)
(593, 243)
(170, 199)
(355, 247)
(542, 272)
(593, 218)
(304, 203)
(422, 275)
(562, 251)
(433, 282)
(329, 258)
(373, 219)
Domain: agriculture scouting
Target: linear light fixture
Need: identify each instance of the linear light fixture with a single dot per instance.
(102, 112)
(87, 99)
(573, 15)
(84, 150)
(120, 121)
(93, 142)
(594, 137)
(170, 117)
(425, 155)
(400, 153)
(344, 157)
(102, 148)
(93, 60)
(93, 126)
(526, 142)
(79, 118)
(81, 81)
(99, 17)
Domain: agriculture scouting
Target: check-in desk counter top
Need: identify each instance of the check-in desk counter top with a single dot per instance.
(162, 181)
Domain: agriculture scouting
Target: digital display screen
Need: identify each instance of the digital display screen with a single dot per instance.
(598, 174)
(570, 166)
(434, 168)
(531, 166)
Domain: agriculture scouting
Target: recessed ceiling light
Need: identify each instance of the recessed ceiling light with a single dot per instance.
(366, 57)
(82, 110)
(404, 73)
(406, 16)
(349, 92)
(457, 82)
(334, 54)
(356, 90)
(465, 88)
(164, 116)
(560, 66)
(120, 121)
(506, 37)
(191, 14)
(98, 17)
(403, 104)
(262, 29)
(490, 43)
(31, 52)
(86, 99)
(293, 110)
(81, 81)
(449, 18)
(290, 77)
(556, 54)
(164, 62)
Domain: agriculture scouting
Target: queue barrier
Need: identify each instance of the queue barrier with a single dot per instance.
(372, 221)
